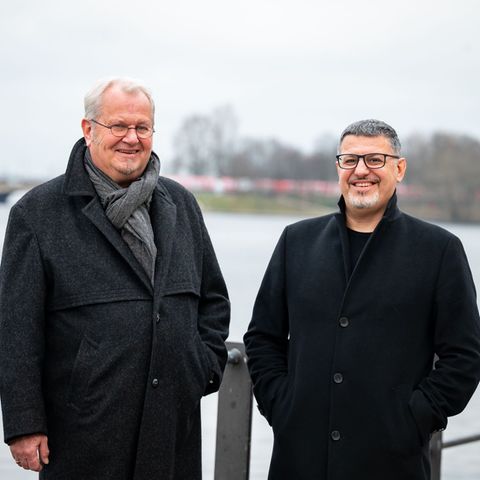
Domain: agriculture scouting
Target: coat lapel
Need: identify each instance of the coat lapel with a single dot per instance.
(95, 213)
(342, 232)
(163, 213)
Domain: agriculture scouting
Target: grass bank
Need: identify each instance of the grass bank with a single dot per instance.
(265, 204)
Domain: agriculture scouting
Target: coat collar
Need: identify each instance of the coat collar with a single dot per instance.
(391, 213)
(77, 181)
(163, 215)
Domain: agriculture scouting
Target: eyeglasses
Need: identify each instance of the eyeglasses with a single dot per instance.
(142, 131)
(349, 161)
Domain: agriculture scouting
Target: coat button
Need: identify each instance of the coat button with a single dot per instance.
(157, 318)
(155, 383)
(344, 322)
(335, 435)
(338, 378)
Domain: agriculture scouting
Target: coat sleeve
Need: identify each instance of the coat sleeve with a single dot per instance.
(449, 387)
(22, 300)
(213, 313)
(266, 340)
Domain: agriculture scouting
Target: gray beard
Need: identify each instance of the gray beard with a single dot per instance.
(360, 201)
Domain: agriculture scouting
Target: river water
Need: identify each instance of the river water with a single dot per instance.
(244, 244)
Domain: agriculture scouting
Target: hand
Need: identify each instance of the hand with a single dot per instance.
(30, 451)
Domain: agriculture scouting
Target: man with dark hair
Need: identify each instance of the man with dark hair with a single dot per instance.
(113, 309)
(365, 334)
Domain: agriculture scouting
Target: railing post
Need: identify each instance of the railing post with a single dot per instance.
(436, 455)
(234, 418)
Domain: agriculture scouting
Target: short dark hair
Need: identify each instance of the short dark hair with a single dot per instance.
(372, 128)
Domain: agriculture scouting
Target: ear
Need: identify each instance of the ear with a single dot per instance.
(87, 131)
(339, 170)
(401, 168)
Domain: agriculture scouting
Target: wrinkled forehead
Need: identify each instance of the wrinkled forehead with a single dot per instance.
(116, 101)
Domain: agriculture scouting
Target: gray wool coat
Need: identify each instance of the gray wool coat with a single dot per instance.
(341, 358)
(111, 369)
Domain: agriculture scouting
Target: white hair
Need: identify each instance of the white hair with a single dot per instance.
(93, 98)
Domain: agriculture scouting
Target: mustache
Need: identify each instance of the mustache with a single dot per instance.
(367, 178)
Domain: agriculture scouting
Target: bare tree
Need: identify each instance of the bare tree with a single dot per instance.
(206, 143)
(453, 174)
(192, 145)
(223, 139)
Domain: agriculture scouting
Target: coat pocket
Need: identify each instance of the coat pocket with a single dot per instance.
(403, 432)
(204, 363)
(181, 342)
(82, 373)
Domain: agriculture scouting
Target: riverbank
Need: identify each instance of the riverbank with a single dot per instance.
(267, 204)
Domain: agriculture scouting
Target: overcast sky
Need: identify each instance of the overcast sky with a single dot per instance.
(291, 69)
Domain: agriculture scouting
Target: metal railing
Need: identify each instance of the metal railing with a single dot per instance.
(437, 445)
(234, 423)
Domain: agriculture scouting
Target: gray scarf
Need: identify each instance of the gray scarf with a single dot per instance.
(127, 209)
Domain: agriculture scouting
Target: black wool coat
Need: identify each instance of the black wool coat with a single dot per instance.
(109, 367)
(342, 363)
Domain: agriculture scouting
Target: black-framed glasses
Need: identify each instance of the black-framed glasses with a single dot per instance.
(142, 131)
(349, 161)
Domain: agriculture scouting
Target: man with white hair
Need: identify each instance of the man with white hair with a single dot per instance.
(113, 309)
(352, 311)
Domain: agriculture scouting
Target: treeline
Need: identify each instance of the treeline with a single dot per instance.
(444, 167)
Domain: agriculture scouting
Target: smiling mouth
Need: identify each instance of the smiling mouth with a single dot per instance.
(363, 184)
(127, 152)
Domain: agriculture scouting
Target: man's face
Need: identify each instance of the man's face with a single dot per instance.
(363, 188)
(122, 159)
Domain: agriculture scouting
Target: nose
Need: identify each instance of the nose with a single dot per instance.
(131, 136)
(361, 168)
